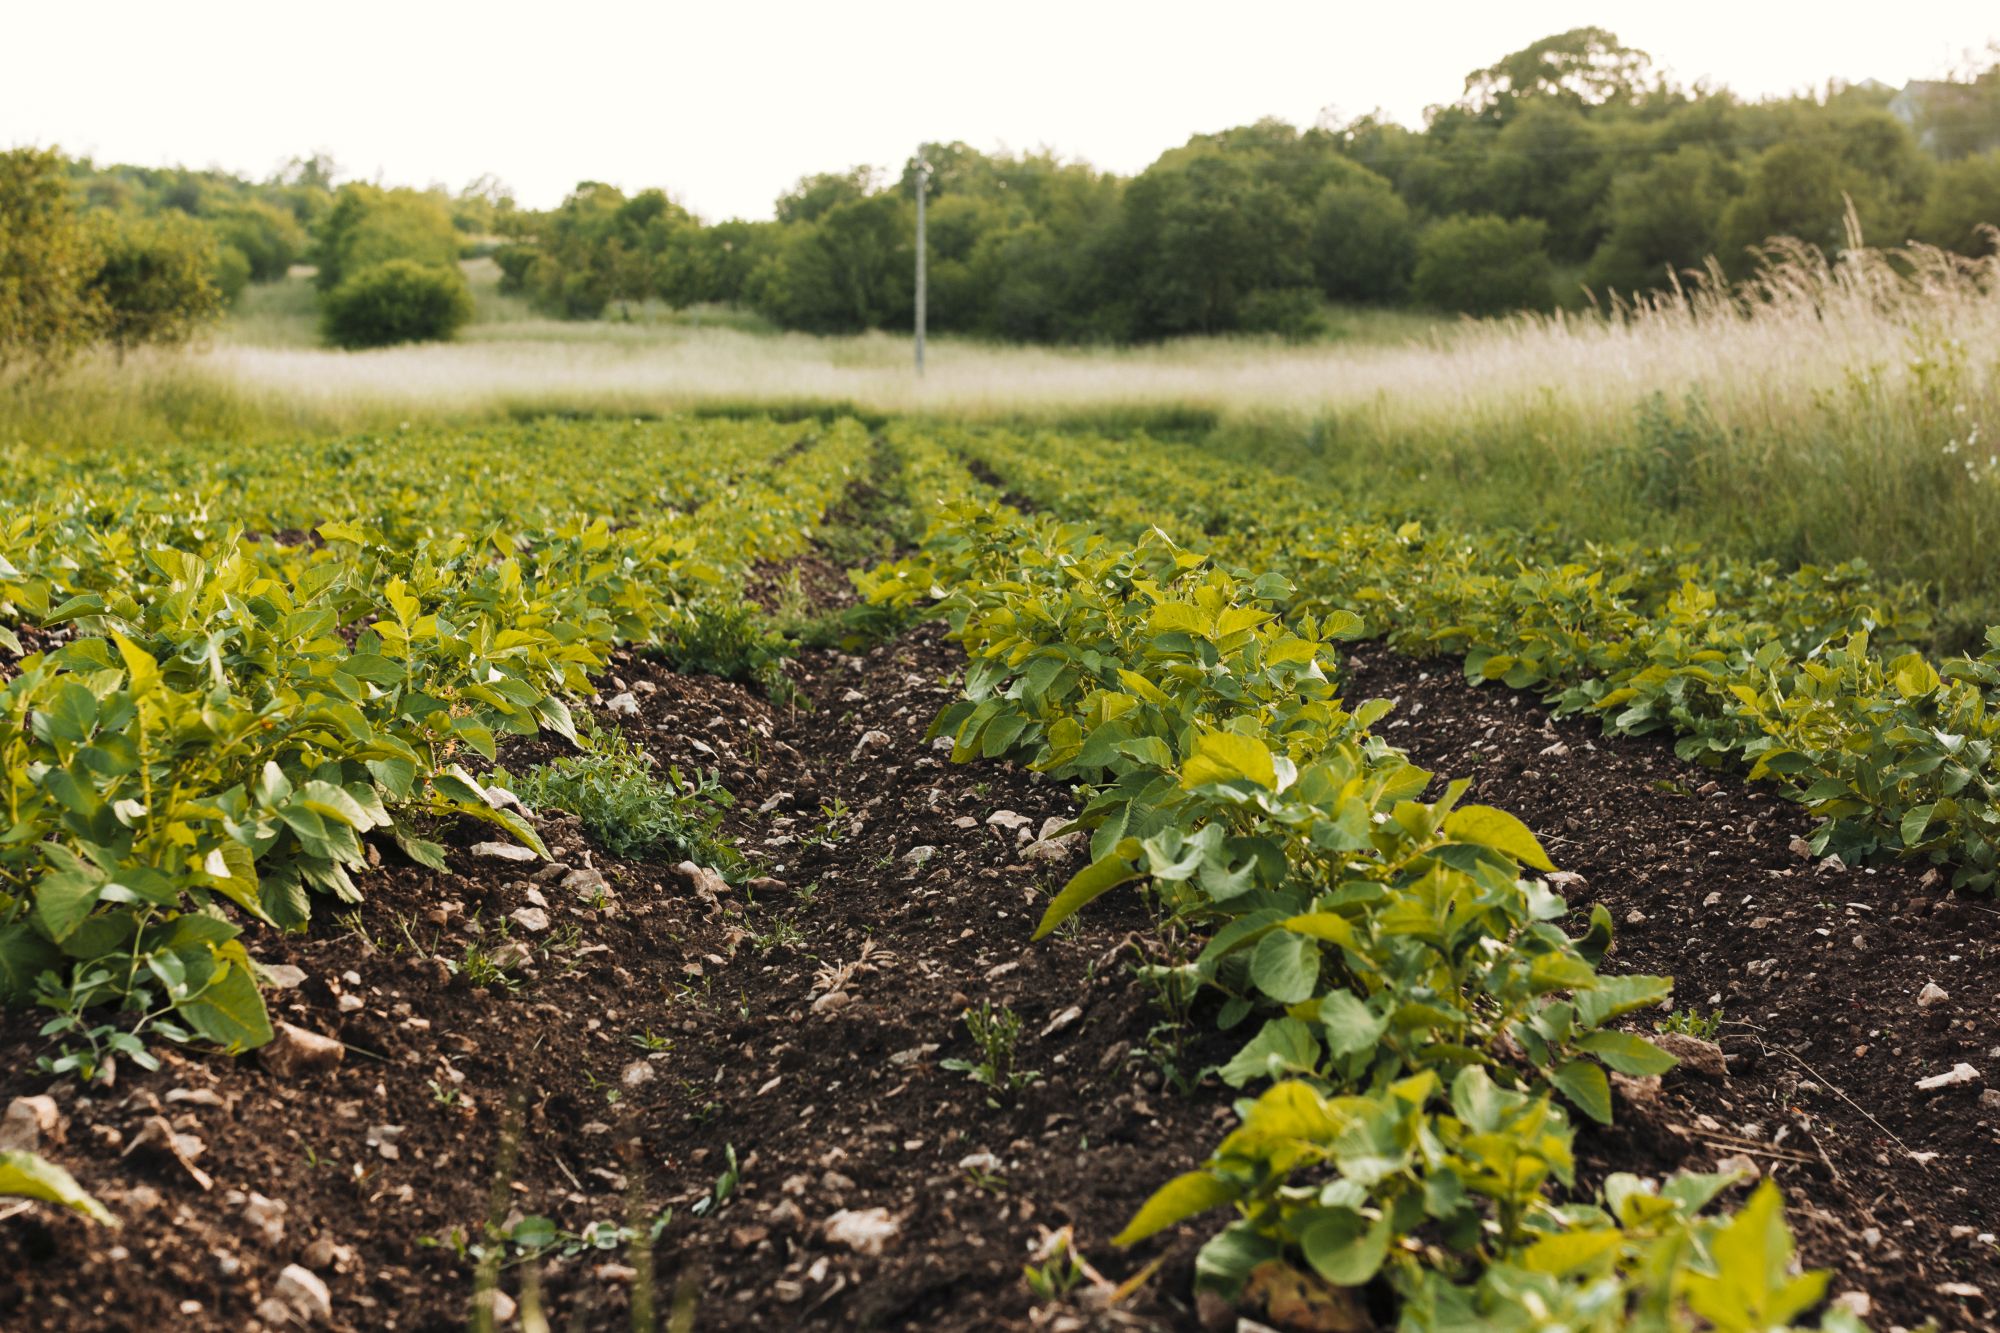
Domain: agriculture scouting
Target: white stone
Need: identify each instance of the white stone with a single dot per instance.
(532, 919)
(502, 851)
(863, 1230)
(1958, 1075)
(28, 1122)
(622, 704)
(302, 1290)
(1931, 994)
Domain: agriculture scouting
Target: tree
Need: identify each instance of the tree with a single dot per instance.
(816, 196)
(1484, 265)
(1363, 242)
(1661, 219)
(368, 226)
(1584, 67)
(270, 238)
(155, 280)
(1200, 233)
(47, 254)
(1964, 205)
(848, 270)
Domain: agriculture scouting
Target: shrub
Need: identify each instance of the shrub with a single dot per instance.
(231, 273)
(1295, 314)
(157, 279)
(46, 254)
(1484, 265)
(398, 301)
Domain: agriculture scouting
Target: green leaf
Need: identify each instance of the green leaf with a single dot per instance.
(1622, 994)
(1285, 966)
(24, 955)
(1350, 1025)
(1485, 826)
(1116, 867)
(1586, 1087)
(230, 1012)
(1344, 1248)
(1224, 756)
(1568, 1251)
(1283, 1046)
(1180, 1198)
(1752, 1288)
(1912, 676)
(64, 899)
(1628, 1053)
(23, 1175)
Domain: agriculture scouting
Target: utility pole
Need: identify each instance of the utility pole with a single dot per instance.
(923, 188)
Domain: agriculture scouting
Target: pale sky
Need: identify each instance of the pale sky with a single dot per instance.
(725, 105)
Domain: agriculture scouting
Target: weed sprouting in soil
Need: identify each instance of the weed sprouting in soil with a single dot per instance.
(627, 805)
(996, 1032)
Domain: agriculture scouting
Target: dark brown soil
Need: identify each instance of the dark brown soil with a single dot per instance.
(1816, 968)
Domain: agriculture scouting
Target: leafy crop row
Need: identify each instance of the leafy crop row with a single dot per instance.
(1424, 1020)
(244, 663)
(1807, 676)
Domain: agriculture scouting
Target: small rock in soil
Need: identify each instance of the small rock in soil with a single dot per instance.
(1702, 1058)
(29, 1123)
(870, 740)
(1931, 994)
(531, 919)
(293, 1051)
(283, 976)
(622, 704)
(503, 851)
(1957, 1076)
(302, 1290)
(1739, 1164)
(266, 1217)
(863, 1230)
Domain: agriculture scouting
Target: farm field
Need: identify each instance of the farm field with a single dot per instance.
(739, 872)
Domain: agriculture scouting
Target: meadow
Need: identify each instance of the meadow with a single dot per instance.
(1831, 412)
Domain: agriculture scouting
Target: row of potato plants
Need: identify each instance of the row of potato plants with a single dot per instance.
(1421, 1022)
(217, 692)
(1807, 676)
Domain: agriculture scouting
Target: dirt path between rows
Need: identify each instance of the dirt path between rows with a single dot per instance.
(1819, 971)
(658, 1023)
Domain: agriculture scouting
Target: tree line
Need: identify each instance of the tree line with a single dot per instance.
(1566, 168)
(1567, 171)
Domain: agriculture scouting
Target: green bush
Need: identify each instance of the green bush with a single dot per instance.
(157, 278)
(1295, 314)
(231, 273)
(1484, 265)
(399, 301)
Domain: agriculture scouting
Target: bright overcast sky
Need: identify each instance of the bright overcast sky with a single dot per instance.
(727, 104)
